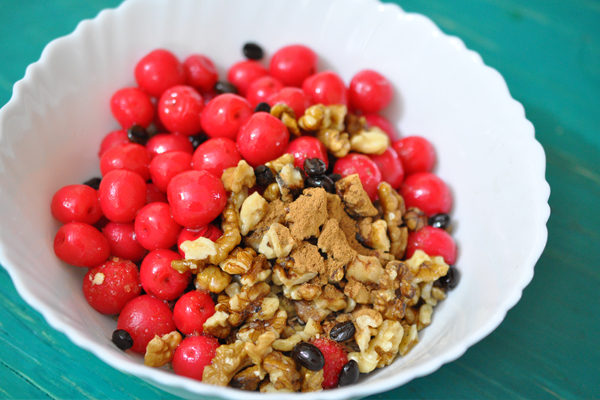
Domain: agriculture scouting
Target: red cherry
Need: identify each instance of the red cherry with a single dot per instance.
(192, 310)
(335, 358)
(122, 241)
(390, 167)
(209, 231)
(224, 115)
(131, 157)
(416, 153)
(165, 166)
(158, 277)
(263, 138)
(110, 286)
(76, 203)
(383, 124)
(326, 88)
(158, 71)
(370, 92)
(261, 89)
(367, 170)
(307, 147)
(113, 139)
(434, 242)
(153, 195)
(200, 72)
(427, 192)
(143, 318)
(155, 228)
(295, 98)
(293, 64)
(132, 106)
(81, 245)
(216, 155)
(196, 198)
(179, 109)
(165, 142)
(122, 194)
(193, 354)
(243, 73)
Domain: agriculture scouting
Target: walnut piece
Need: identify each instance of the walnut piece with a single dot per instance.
(247, 301)
(425, 268)
(315, 117)
(217, 325)
(212, 279)
(285, 113)
(356, 200)
(277, 164)
(251, 331)
(228, 361)
(235, 178)
(338, 143)
(282, 371)
(372, 141)
(159, 350)
(373, 234)
(382, 349)
(331, 299)
(290, 182)
(338, 115)
(199, 249)
(364, 269)
(414, 219)
(363, 320)
(260, 271)
(231, 232)
(277, 242)
(312, 381)
(272, 192)
(249, 378)
(393, 209)
(239, 261)
(253, 210)
(409, 339)
(311, 329)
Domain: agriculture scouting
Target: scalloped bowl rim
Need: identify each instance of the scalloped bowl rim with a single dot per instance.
(364, 389)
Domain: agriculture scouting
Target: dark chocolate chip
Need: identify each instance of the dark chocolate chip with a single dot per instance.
(138, 134)
(265, 107)
(450, 280)
(342, 331)
(335, 177)
(324, 182)
(264, 175)
(122, 339)
(253, 51)
(225, 87)
(439, 221)
(197, 140)
(349, 374)
(309, 356)
(314, 167)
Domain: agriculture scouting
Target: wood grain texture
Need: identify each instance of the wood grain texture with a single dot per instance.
(549, 53)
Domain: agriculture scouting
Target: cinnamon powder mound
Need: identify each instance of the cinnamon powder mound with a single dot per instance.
(275, 213)
(307, 259)
(333, 242)
(307, 213)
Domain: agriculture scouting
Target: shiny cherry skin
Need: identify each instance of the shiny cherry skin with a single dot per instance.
(122, 240)
(122, 194)
(427, 192)
(196, 198)
(307, 147)
(416, 153)
(165, 142)
(153, 195)
(326, 88)
(367, 170)
(158, 71)
(390, 167)
(159, 279)
(143, 318)
(209, 231)
(81, 245)
(110, 286)
(370, 92)
(155, 227)
(165, 166)
(294, 97)
(262, 89)
(76, 203)
(132, 106)
(224, 115)
(179, 109)
(434, 242)
(293, 64)
(132, 157)
(383, 124)
(263, 138)
(192, 310)
(243, 73)
(193, 354)
(216, 155)
(112, 139)
(200, 72)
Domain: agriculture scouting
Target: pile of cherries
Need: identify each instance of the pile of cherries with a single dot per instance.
(160, 185)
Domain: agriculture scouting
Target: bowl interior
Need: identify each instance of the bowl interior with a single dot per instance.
(59, 113)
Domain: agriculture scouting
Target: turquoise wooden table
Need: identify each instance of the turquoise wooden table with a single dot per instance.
(549, 53)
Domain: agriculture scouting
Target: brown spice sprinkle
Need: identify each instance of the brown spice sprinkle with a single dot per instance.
(307, 213)
(307, 259)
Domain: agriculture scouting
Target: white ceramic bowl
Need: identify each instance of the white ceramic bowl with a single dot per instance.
(59, 112)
